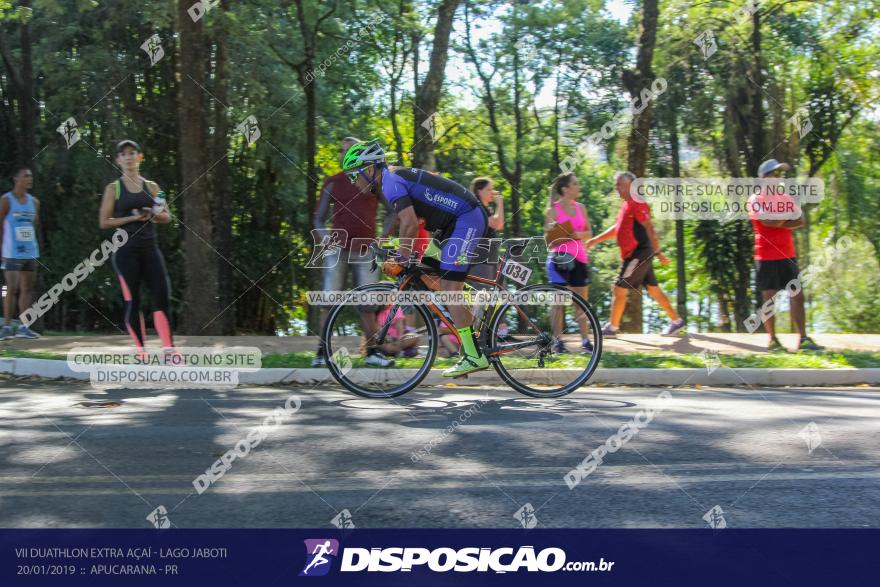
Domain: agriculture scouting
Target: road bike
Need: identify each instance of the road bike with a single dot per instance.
(516, 335)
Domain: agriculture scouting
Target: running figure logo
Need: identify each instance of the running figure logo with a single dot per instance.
(159, 518)
(715, 518)
(328, 241)
(250, 129)
(801, 122)
(434, 126)
(526, 516)
(153, 48)
(317, 552)
(706, 42)
(70, 131)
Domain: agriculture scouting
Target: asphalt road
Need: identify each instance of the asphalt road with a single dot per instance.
(73, 456)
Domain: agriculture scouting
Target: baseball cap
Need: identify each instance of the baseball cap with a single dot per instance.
(769, 166)
(127, 143)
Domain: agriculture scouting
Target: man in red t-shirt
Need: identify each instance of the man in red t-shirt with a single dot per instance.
(774, 216)
(638, 246)
(352, 213)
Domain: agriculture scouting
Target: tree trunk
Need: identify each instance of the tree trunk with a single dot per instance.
(22, 78)
(200, 296)
(516, 179)
(395, 127)
(756, 131)
(428, 93)
(311, 118)
(742, 302)
(637, 145)
(27, 102)
(723, 313)
(512, 174)
(681, 278)
(757, 117)
(221, 176)
(399, 48)
(309, 33)
(556, 96)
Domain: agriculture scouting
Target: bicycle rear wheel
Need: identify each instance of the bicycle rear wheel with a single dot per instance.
(525, 353)
(404, 333)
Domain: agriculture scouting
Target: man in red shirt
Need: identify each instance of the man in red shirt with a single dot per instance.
(352, 213)
(638, 246)
(774, 216)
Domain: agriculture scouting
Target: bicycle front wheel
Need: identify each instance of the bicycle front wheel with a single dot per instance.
(545, 349)
(379, 351)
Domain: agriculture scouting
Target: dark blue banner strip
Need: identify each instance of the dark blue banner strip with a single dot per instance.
(274, 557)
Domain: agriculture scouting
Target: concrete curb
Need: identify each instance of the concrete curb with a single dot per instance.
(53, 369)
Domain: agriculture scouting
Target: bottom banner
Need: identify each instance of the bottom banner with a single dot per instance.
(436, 557)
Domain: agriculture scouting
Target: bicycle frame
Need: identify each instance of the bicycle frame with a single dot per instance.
(413, 279)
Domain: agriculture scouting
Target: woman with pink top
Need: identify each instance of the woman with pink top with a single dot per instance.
(568, 263)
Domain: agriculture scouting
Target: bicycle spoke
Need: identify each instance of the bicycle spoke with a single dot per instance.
(379, 351)
(541, 351)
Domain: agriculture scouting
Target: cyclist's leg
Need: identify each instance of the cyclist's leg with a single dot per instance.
(455, 256)
(456, 253)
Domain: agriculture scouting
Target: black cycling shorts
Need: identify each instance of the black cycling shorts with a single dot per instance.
(775, 275)
(19, 264)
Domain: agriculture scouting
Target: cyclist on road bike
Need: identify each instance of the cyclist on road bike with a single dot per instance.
(445, 206)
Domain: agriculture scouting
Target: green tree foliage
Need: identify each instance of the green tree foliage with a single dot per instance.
(525, 84)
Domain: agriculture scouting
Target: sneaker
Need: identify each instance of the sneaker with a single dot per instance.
(173, 357)
(5, 332)
(609, 331)
(674, 327)
(25, 332)
(807, 344)
(559, 347)
(586, 346)
(467, 364)
(411, 352)
(775, 346)
(320, 360)
(377, 359)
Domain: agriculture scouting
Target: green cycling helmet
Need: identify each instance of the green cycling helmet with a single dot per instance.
(363, 154)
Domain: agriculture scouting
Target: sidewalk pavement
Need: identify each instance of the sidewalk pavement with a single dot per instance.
(723, 343)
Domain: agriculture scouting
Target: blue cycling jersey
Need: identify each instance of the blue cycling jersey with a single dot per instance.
(438, 200)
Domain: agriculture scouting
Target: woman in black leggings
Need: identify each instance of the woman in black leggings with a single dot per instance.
(135, 204)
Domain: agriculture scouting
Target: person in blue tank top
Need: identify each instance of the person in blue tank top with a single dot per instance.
(19, 226)
(445, 206)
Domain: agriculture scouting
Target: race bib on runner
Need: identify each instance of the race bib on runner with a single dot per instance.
(24, 233)
(517, 272)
